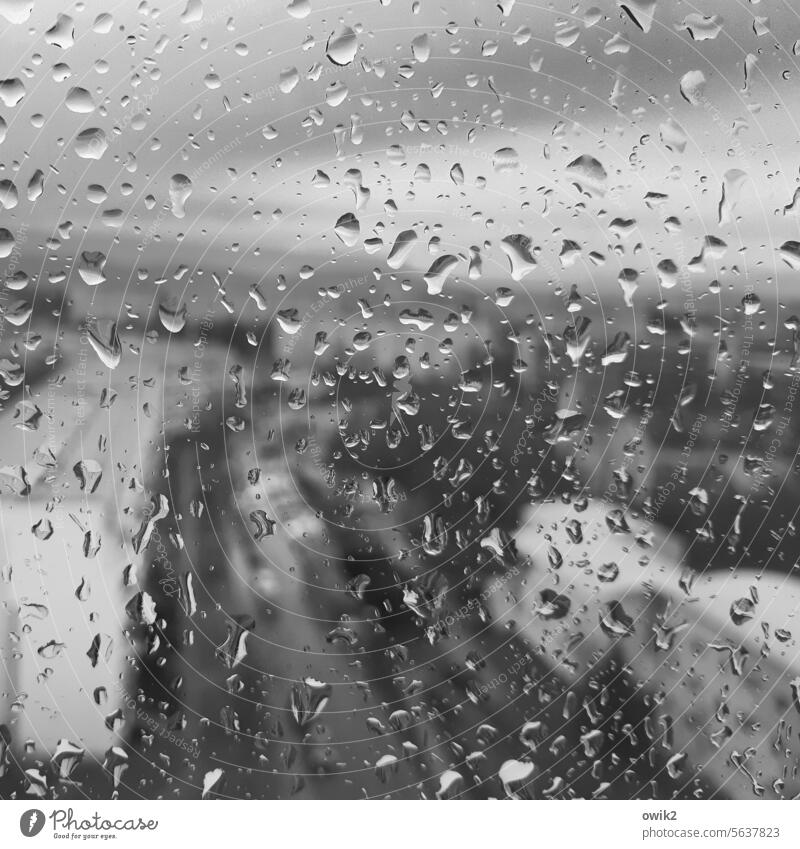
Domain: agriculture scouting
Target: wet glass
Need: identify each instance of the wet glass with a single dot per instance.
(399, 400)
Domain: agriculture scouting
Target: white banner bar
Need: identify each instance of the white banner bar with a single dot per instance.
(348, 825)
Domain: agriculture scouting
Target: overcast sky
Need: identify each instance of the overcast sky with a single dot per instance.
(553, 83)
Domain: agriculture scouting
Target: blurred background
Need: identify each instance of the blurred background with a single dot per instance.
(398, 400)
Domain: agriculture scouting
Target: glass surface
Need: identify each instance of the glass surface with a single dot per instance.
(399, 399)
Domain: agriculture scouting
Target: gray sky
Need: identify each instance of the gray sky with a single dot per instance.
(193, 97)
